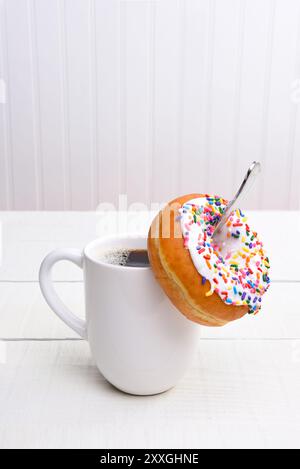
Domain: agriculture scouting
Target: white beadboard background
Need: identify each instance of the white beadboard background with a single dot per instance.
(150, 98)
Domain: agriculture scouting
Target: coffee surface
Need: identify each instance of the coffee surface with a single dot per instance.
(137, 258)
(127, 257)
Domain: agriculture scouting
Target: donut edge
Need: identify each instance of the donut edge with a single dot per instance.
(191, 302)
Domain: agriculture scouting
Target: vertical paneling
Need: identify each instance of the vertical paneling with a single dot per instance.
(149, 98)
(195, 69)
(223, 96)
(167, 94)
(76, 18)
(254, 90)
(19, 74)
(35, 84)
(107, 56)
(49, 65)
(294, 143)
(135, 38)
(93, 72)
(276, 158)
(4, 165)
(65, 106)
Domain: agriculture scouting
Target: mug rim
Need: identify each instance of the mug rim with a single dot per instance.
(103, 239)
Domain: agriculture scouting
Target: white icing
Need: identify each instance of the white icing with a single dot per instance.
(241, 286)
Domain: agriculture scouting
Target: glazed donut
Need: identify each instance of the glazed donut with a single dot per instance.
(212, 281)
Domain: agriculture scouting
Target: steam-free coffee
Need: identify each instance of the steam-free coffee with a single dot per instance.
(127, 257)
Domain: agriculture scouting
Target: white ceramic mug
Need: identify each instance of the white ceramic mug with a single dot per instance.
(140, 342)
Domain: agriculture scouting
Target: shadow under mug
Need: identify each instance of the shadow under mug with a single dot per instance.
(141, 344)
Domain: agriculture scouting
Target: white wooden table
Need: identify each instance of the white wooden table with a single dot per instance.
(242, 391)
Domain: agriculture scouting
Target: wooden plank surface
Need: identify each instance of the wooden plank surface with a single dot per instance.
(242, 390)
(236, 394)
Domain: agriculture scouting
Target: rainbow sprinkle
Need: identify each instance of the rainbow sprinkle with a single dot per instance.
(235, 263)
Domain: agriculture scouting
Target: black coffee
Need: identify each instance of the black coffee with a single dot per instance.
(127, 257)
(137, 258)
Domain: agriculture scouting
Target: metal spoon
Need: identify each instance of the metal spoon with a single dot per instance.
(247, 183)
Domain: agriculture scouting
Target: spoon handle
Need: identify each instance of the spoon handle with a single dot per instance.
(246, 185)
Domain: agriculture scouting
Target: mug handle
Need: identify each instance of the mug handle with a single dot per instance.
(76, 257)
